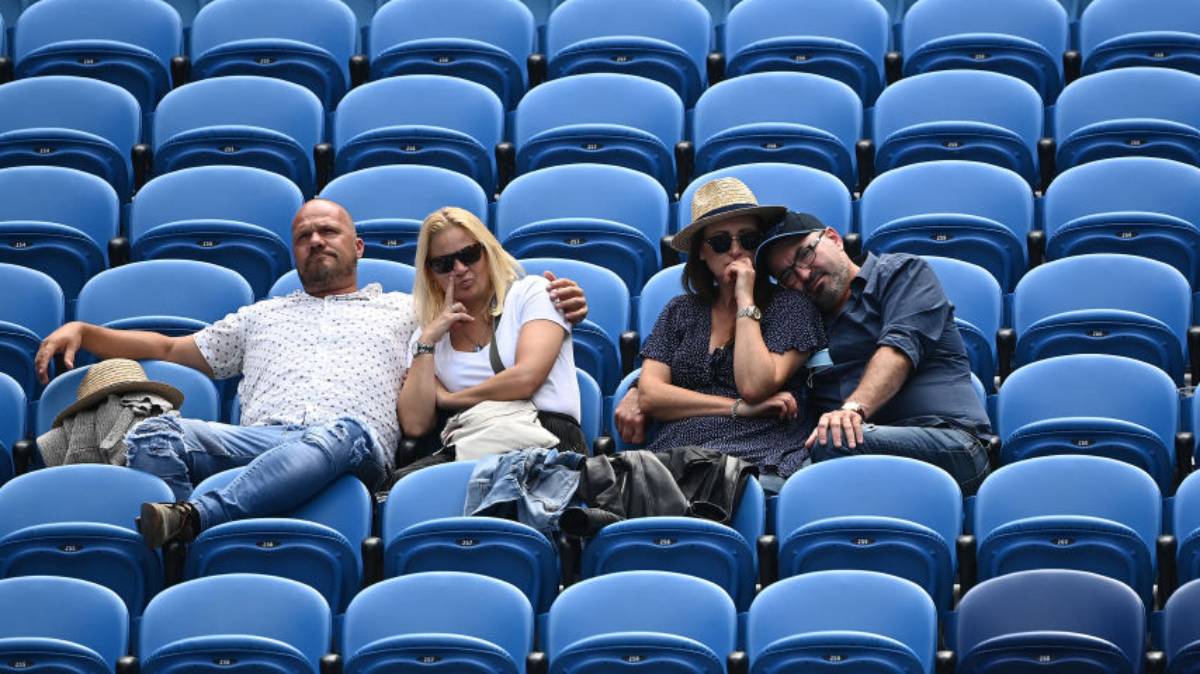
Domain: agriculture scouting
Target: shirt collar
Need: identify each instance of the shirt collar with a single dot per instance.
(866, 269)
(365, 293)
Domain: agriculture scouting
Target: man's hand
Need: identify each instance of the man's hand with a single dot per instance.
(631, 421)
(838, 424)
(781, 405)
(568, 298)
(65, 340)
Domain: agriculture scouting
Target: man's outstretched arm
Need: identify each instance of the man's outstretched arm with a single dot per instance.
(108, 343)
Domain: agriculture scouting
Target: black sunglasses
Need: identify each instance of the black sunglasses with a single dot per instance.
(444, 264)
(721, 243)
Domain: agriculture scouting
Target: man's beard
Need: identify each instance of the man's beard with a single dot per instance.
(319, 275)
(827, 297)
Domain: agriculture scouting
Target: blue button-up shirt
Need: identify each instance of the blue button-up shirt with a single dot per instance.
(896, 300)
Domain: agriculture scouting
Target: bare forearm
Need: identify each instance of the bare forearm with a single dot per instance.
(418, 398)
(666, 402)
(134, 344)
(514, 383)
(884, 376)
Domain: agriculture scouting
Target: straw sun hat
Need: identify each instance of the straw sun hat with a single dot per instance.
(721, 199)
(116, 375)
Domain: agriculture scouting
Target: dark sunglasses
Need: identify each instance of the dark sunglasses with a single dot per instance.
(721, 243)
(444, 264)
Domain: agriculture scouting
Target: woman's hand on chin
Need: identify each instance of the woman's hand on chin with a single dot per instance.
(452, 312)
(741, 273)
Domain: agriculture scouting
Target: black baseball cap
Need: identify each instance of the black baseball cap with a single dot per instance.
(793, 224)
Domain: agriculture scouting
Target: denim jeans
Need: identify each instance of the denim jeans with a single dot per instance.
(285, 465)
(957, 452)
(531, 485)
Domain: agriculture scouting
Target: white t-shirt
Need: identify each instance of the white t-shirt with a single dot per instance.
(526, 301)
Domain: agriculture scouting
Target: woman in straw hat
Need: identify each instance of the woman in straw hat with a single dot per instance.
(723, 365)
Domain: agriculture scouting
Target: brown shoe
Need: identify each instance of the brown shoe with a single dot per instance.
(161, 523)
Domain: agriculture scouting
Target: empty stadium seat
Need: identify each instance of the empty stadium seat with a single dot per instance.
(171, 297)
(1121, 33)
(1091, 304)
(842, 39)
(308, 42)
(392, 276)
(960, 114)
(236, 622)
(75, 122)
(485, 41)
(37, 633)
(572, 212)
(793, 118)
(889, 514)
(1186, 520)
(965, 210)
(432, 120)
(1086, 513)
(669, 622)
(596, 339)
(658, 291)
(13, 412)
(318, 543)
(233, 216)
(667, 41)
(1142, 112)
(68, 239)
(424, 530)
(1042, 620)
(78, 521)
(129, 43)
(460, 621)
(1181, 634)
(31, 310)
(242, 121)
(1022, 38)
(388, 204)
(978, 312)
(591, 406)
(200, 397)
(800, 188)
(842, 620)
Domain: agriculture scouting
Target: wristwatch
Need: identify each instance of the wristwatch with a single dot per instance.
(858, 408)
(749, 312)
(423, 348)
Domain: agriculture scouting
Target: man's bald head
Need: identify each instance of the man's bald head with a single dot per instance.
(326, 248)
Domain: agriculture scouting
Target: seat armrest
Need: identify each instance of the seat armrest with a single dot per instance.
(768, 560)
(181, 71)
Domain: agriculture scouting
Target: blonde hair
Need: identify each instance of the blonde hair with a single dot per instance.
(503, 269)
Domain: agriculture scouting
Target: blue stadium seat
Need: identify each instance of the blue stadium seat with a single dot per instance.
(959, 114)
(722, 553)
(842, 39)
(233, 216)
(457, 622)
(888, 514)
(187, 12)
(591, 406)
(1132, 205)
(485, 41)
(1186, 520)
(318, 543)
(75, 122)
(432, 120)
(595, 340)
(571, 212)
(308, 42)
(666, 41)
(1087, 304)
(236, 623)
(13, 412)
(793, 118)
(871, 621)
(628, 382)
(1086, 513)
(1121, 33)
(660, 289)
(1022, 38)
(27, 316)
(1091, 404)
(395, 277)
(1129, 112)
(674, 623)
(68, 239)
(388, 204)
(37, 633)
(978, 312)
(800, 188)
(78, 521)
(242, 121)
(1080, 621)
(200, 397)
(1181, 633)
(965, 210)
(129, 43)
(424, 530)
(171, 297)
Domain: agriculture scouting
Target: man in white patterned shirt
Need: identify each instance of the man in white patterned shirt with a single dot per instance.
(322, 370)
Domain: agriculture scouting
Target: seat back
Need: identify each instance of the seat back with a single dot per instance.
(148, 292)
(1186, 521)
(26, 317)
(1180, 630)
(591, 406)
(13, 412)
(1119, 33)
(658, 291)
(394, 277)
(96, 628)
(978, 310)
(428, 494)
(800, 188)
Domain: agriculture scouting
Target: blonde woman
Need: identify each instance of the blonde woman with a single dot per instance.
(470, 293)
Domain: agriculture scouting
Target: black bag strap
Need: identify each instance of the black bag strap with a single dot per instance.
(493, 350)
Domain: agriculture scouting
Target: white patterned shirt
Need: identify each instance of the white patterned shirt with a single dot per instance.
(309, 360)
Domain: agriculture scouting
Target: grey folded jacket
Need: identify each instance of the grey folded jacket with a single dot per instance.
(97, 435)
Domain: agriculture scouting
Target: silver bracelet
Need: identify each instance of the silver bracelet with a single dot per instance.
(733, 412)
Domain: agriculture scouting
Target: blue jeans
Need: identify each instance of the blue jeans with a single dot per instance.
(957, 452)
(285, 465)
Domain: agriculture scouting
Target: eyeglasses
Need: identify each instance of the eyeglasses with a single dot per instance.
(803, 259)
(721, 243)
(444, 264)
